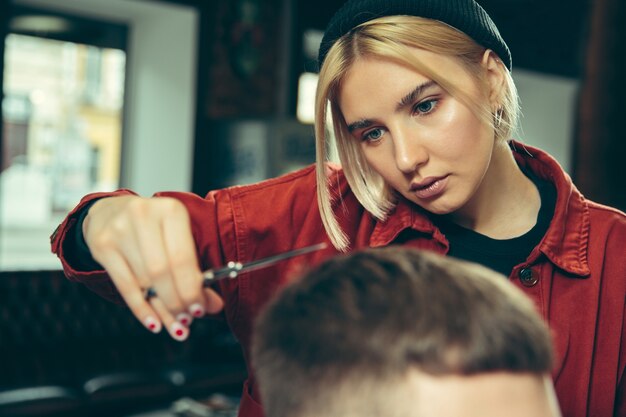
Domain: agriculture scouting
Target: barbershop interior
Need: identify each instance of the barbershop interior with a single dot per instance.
(199, 95)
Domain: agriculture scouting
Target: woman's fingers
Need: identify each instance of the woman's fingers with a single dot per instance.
(213, 303)
(154, 265)
(148, 243)
(106, 232)
(126, 284)
(174, 327)
(131, 248)
(183, 261)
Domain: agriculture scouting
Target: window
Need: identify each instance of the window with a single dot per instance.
(62, 133)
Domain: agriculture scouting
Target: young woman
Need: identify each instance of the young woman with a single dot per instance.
(422, 106)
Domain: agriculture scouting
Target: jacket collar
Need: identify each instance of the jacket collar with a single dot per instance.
(565, 243)
(405, 215)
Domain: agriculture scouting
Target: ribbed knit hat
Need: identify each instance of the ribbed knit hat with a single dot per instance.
(464, 15)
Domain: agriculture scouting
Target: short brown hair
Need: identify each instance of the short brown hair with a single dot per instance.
(372, 315)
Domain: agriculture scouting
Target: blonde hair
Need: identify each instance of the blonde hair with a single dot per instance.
(391, 38)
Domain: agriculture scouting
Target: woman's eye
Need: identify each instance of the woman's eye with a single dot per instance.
(373, 135)
(425, 106)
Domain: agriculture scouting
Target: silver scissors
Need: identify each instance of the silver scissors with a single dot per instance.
(233, 269)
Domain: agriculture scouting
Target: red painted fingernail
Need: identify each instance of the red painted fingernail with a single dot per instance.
(178, 331)
(184, 319)
(152, 324)
(196, 310)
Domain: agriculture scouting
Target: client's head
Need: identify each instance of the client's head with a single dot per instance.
(397, 332)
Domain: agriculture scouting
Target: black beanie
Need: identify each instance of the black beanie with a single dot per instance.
(464, 15)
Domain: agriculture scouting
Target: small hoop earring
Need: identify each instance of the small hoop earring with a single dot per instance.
(497, 118)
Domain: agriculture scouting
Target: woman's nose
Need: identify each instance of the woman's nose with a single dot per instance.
(409, 153)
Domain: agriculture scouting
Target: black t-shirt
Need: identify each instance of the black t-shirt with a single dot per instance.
(501, 255)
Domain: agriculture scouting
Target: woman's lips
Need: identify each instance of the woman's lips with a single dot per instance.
(429, 187)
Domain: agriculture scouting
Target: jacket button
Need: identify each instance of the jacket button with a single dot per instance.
(528, 277)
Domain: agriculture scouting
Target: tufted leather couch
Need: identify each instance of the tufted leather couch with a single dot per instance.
(64, 351)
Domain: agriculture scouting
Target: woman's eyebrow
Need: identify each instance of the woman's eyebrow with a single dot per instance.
(410, 98)
(407, 100)
(359, 124)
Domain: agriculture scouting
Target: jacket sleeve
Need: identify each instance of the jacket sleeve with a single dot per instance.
(62, 244)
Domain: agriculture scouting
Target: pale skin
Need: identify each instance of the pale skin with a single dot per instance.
(419, 394)
(147, 242)
(493, 394)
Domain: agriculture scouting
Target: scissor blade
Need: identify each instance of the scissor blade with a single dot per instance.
(213, 275)
(270, 260)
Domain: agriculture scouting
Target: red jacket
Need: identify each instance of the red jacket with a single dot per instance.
(576, 276)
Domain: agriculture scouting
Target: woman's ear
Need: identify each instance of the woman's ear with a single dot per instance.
(495, 77)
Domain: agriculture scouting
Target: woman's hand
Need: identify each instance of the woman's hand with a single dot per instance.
(147, 243)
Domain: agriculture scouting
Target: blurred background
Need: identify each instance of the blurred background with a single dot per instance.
(194, 95)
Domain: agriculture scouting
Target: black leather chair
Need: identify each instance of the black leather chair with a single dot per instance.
(65, 350)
